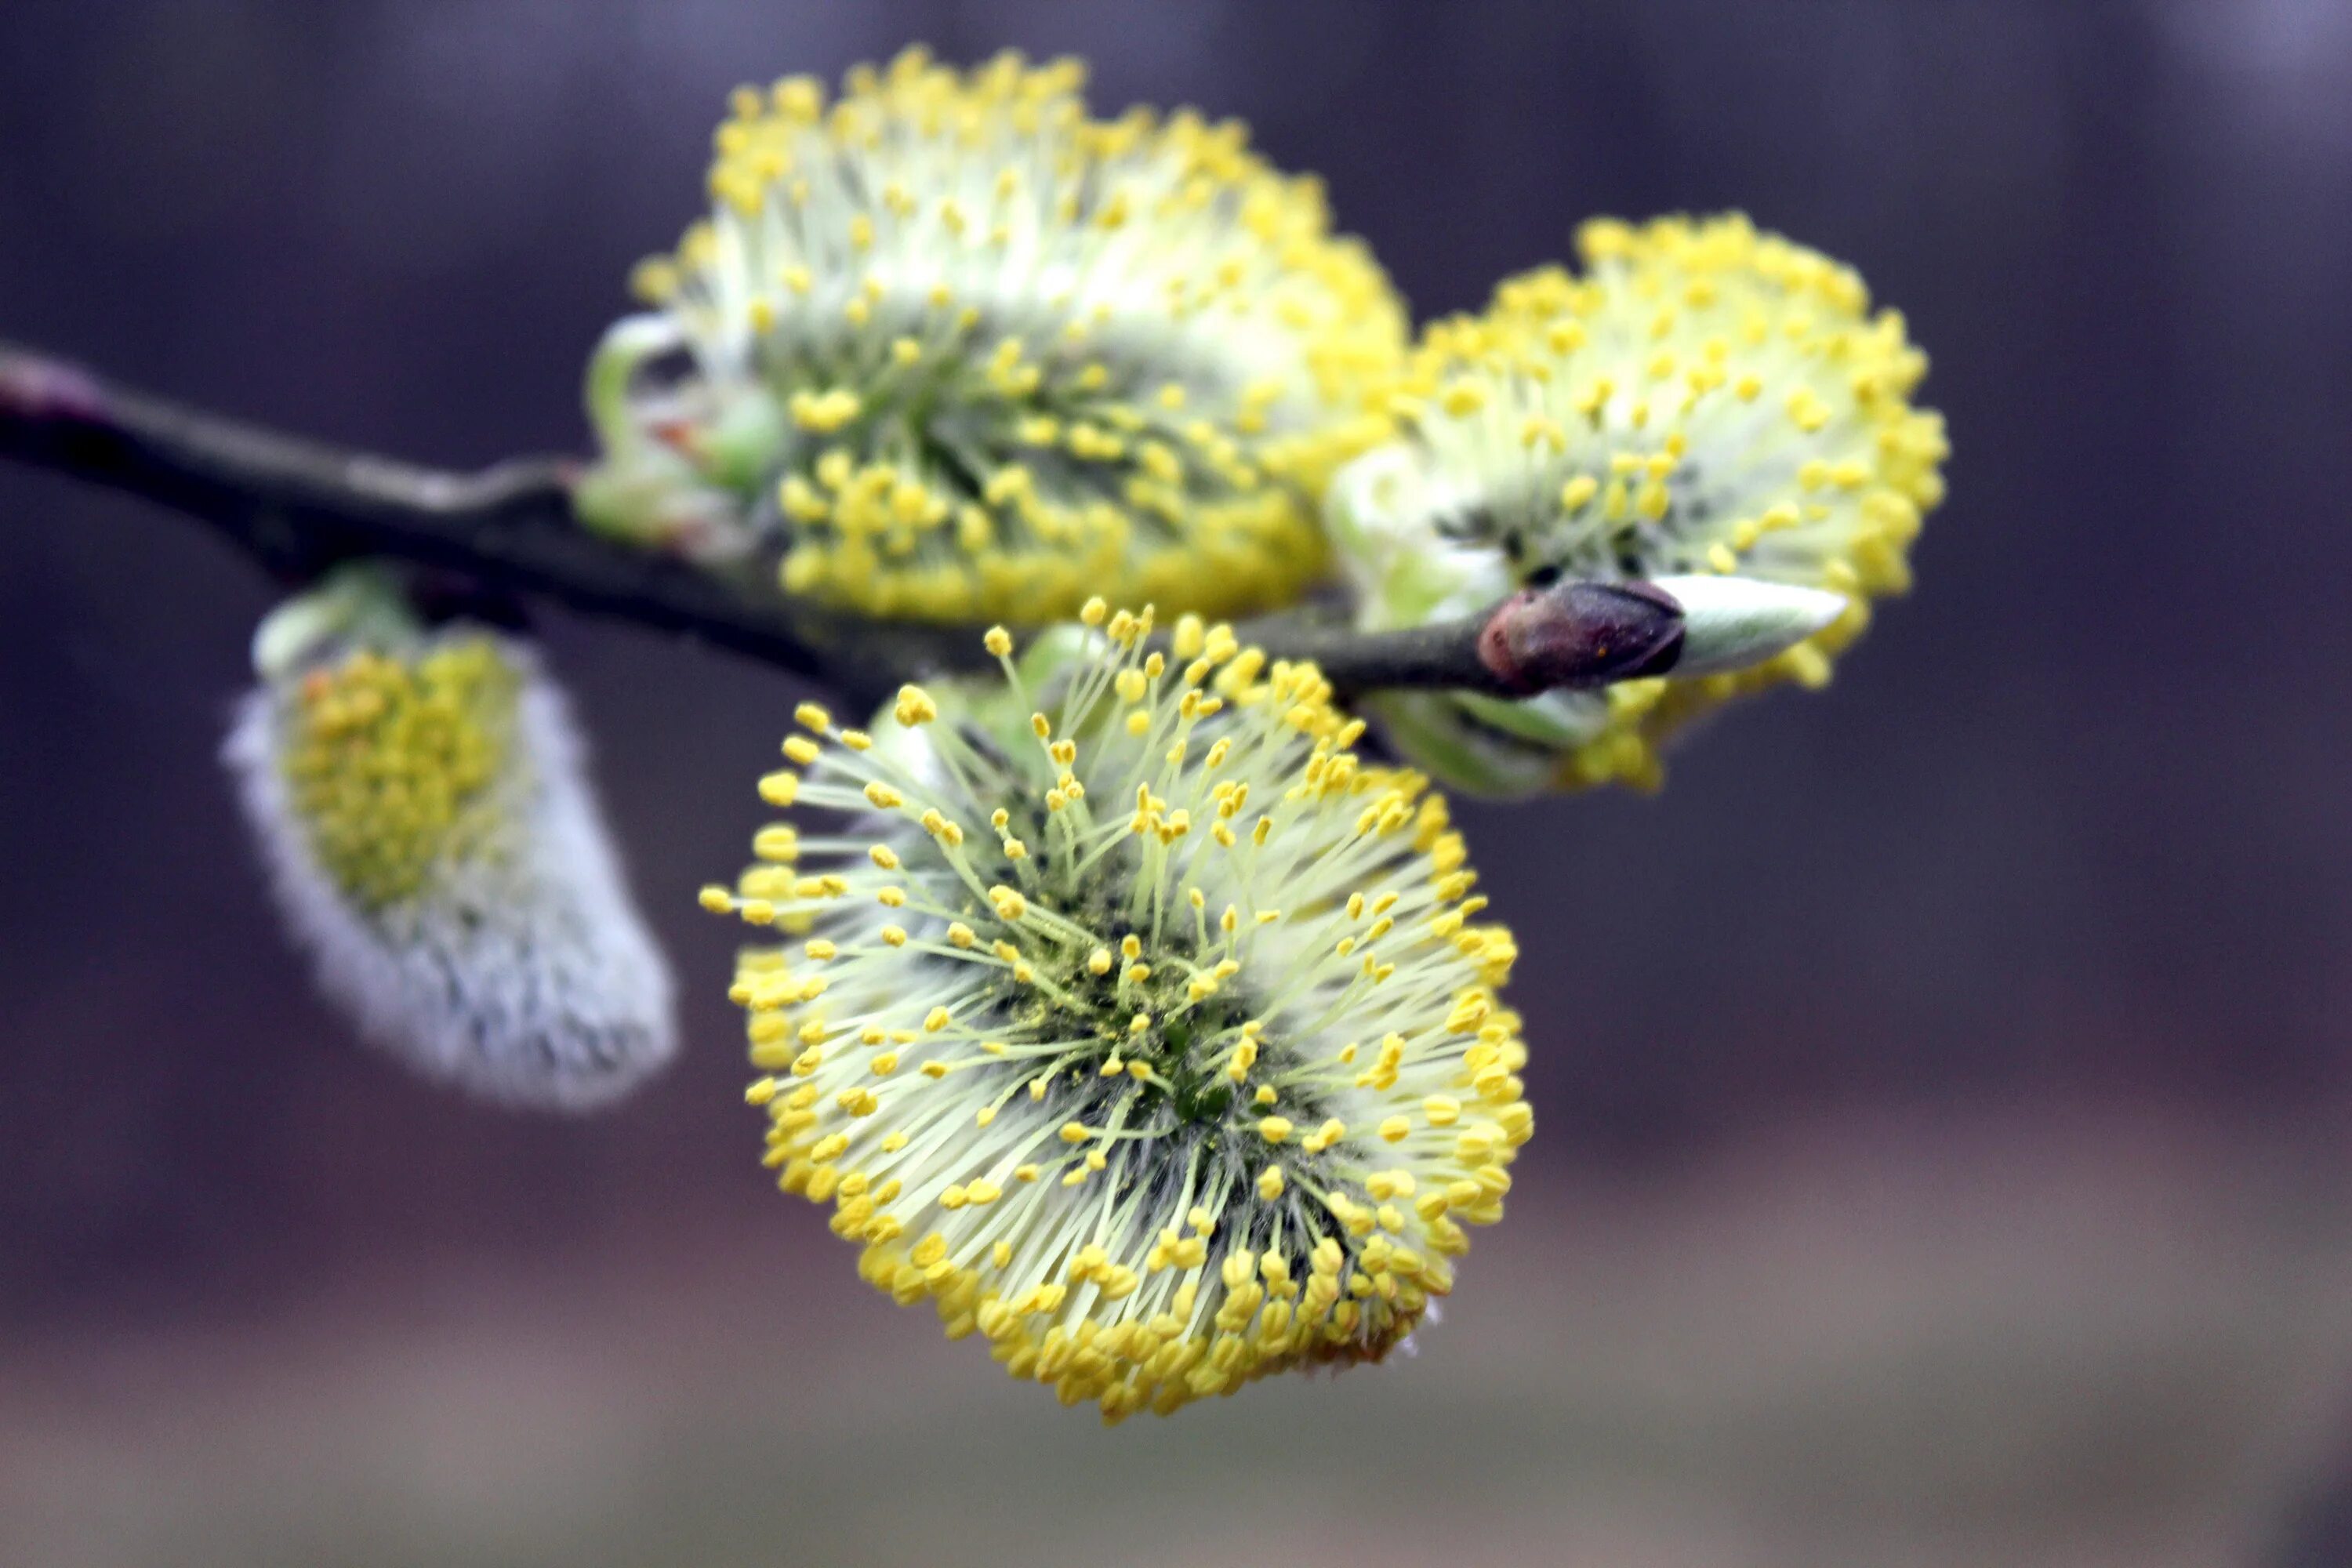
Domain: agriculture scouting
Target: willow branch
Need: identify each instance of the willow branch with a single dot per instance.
(298, 507)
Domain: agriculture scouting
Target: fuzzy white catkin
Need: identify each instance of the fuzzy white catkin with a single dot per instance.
(526, 977)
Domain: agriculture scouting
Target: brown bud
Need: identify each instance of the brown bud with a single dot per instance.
(1577, 635)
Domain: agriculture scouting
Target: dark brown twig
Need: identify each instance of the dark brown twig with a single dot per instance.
(298, 507)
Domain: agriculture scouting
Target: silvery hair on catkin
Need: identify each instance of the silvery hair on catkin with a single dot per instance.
(525, 976)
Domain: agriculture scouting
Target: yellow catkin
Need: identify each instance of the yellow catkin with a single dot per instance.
(1006, 354)
(1703, 397)
(391, 763)
(1051, 1108)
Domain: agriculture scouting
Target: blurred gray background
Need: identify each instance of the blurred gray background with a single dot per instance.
(1941, 1085)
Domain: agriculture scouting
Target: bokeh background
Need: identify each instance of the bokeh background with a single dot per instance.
(1942, 1084)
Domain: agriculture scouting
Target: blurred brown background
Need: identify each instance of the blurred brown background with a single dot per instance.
(1940, 1086)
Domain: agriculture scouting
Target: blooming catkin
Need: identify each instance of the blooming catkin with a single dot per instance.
(1705, 398)
(1129, 1019)
(426, 816)
(968, 352)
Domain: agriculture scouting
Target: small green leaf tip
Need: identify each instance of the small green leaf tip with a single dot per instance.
(1732, 623)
